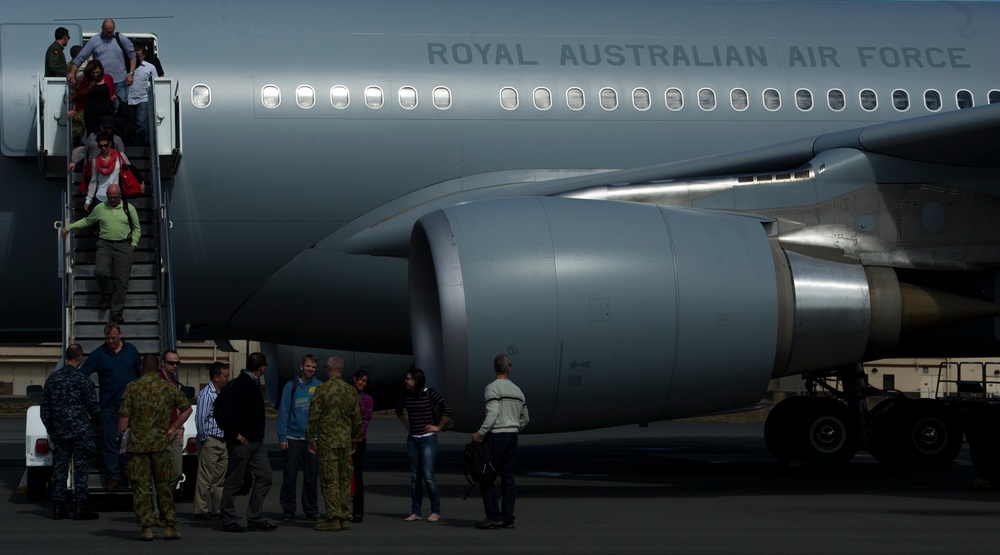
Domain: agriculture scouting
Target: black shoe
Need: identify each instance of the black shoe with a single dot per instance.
(207, 517)
(486, 524)
(508, 525)
(357, 519)
(82, 513)
(118, 318)
(104, 304)
(260, 526)
(112, 484)
(59, 511)
(232, 528)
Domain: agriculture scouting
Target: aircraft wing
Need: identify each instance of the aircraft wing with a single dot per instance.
(964, 138)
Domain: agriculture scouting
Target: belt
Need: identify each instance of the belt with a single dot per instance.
(115, 240)
(220, 438)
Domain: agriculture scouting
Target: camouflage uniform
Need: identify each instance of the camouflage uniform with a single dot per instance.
(69, 402)
(147, 404)
(335, 419)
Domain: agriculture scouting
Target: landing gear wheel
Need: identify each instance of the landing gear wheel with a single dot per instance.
(921, 433)
(784, 428)
(832, 434)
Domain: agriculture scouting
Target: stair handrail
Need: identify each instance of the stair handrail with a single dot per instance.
(168, 330)
(65, 248)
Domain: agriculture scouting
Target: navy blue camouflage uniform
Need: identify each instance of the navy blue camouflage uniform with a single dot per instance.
(69, 403)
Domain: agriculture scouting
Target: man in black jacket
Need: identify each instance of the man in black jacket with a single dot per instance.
(239, 411)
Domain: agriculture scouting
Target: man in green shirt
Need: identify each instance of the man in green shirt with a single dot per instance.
(117, 240)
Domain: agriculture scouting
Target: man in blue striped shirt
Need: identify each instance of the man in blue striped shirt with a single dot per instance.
(212, 455)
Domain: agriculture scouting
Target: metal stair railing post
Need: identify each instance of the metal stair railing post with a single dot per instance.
(168, 339)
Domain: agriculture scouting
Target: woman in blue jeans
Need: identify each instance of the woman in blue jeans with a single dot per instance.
(421, 443)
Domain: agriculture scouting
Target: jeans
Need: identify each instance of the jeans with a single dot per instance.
(109, 433)
(121, 90)
(422, 452)
(141, 125)
(297, 457)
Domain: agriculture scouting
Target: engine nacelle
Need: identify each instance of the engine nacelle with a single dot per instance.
(616, 313)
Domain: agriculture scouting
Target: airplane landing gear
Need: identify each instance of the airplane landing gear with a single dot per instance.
(817, 431)
(916, 433)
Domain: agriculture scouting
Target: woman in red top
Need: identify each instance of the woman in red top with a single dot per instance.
(96, 93)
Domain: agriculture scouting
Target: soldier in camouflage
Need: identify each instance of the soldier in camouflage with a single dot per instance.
(69, 403)
(145, 412)
(335, 419)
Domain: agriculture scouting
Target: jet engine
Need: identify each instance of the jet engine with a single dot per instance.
(618, 312)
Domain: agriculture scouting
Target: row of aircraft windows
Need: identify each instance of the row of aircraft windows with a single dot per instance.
(642, 99)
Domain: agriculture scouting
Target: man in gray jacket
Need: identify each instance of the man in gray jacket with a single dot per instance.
(506, 414)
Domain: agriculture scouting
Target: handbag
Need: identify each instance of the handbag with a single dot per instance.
(130, 184)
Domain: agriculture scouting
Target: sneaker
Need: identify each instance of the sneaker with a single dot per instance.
(412, 518)
(118, 318)
(260, 526)
(434, 517)
(287, 518)
(232, 528)
(486, 524)
(508, 525)
(330, 525)
(315, 517)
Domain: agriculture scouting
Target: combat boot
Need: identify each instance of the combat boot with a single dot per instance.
(59, 511)
(146, 535)
(171, 533)
(329, 525)
(345, 524)
(83, 513)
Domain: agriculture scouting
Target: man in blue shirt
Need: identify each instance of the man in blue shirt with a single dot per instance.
(212, 455)
(112, 49)
(293, 420)
(117, 363)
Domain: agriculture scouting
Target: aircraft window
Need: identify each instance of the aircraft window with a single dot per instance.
(340, 96)
(543, 98)
(508, 98)
(964, 99)
(674, 98)
(575, 98)
(932, 100)
(706, 99)
(609, 99)
(900, 100)
(835, 100)
(408, 98)
(772, 99)
(442, 98)
(641, 99)
(994, 96)
(305, 96)
(869, 100)
(374, 98)
(739, 99)
(201, 96)
(804, 100)
(270, 96)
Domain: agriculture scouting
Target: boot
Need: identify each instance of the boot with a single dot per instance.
(329, 525)
(59, 511)
(171, 533)
(146, 535)
(83, 513)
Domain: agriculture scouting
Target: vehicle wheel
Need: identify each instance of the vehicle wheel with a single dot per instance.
(932, 434)
(39, 482)
(785, 429)
(832, 433)
(884, 443)
(984, 444)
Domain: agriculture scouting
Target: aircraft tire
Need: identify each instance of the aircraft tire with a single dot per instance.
(933, 434)
(785, 429)
(984, 444)
(39, 482)
(832, 434)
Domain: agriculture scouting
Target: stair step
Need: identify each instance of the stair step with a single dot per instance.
(138, 270)
(135, 300)
(99, 316)
(141, 285)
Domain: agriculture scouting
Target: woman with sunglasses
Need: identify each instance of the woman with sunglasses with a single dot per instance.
(106, 169)
(95, 94)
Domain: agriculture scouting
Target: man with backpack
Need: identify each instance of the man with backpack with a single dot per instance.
(293, 420)
(115, 53)
(506, 415)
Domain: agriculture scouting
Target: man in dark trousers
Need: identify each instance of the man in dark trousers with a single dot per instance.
(117, 363)
(239, 411)
(68, 406)
(506, 414)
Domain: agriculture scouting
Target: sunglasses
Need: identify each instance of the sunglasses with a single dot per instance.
(172, 362)
(104, 145)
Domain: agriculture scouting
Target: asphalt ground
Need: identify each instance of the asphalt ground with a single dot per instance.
(671, 487)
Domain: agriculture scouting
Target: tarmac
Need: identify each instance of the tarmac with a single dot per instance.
(670, 487)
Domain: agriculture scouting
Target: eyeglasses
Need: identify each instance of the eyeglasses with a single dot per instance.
(103, 145)
(172, 362)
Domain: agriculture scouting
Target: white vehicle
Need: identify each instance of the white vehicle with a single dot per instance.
(38, 460)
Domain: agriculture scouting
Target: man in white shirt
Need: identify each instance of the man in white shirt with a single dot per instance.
(138, 95)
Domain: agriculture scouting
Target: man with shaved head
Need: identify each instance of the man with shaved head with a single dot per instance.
(116, 54)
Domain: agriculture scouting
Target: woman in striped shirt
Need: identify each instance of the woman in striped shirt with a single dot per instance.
(421, 443)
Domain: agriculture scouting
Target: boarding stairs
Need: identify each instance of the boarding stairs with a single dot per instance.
(149, 308)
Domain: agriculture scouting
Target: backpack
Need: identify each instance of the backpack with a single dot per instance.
(479, 467)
